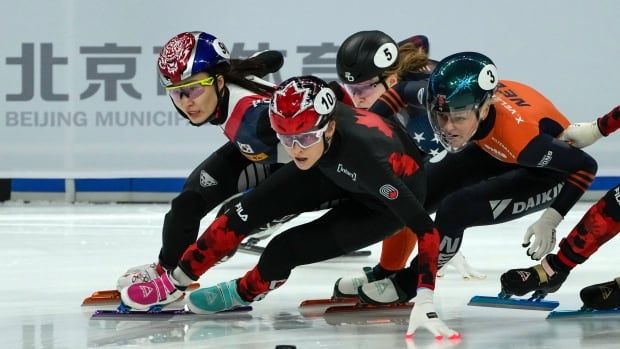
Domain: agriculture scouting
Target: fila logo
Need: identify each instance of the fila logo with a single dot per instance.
(617, 195)
(206, 180)
(239, 209)
(524, 275)
(498, 206)
(389, 191)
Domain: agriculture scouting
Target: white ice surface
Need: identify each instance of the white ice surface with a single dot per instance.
(52, 256)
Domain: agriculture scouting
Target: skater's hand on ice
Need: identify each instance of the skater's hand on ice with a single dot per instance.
(543, 231)
(581, 134)
(460, 264)
(423, 314)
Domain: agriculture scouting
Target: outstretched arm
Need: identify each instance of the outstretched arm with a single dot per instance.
(582, 134)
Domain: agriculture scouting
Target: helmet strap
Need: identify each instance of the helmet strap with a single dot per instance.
(220, 114)
(384, 82)
(327, 141)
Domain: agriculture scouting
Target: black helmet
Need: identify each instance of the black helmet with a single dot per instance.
(460, 82)
(365, 55)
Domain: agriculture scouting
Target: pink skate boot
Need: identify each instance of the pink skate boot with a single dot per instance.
(152, 294)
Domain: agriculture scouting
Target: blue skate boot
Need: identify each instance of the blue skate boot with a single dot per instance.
(215, 299)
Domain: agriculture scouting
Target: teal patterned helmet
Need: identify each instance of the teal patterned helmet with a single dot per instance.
(460, 83)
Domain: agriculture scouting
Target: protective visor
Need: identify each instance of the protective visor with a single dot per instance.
(304, 140)
(449, 126)
(363, 89)
(191, 89)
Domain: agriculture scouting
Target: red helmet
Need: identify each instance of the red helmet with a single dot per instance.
(301, 104)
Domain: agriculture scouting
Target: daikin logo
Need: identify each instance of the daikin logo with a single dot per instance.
(499, 206)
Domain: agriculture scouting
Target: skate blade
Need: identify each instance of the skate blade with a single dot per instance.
(168, 314)
(252, 249)
(328, 301)
(108, 297)
(512, 303)
(367, 314)
(363, 307)
(316, 307)
(584, 314)
(360, 253)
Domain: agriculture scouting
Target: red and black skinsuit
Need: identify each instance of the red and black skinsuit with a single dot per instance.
(370, 162)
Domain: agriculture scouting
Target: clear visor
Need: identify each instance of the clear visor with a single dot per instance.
(454, 129)
(364, 89)
(304, 140)
(191, 89)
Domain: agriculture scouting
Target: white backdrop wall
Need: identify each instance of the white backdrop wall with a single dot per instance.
(80, 96)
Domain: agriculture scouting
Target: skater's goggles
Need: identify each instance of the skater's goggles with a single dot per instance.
(304, 140)
(364, 89)
(191, 89)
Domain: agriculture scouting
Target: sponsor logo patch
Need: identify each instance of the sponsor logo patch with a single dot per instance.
(389, 191)
(206, 180)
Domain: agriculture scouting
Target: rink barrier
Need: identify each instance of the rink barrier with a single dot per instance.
(147, 189)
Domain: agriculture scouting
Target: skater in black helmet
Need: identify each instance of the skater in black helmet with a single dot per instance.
(370, 64)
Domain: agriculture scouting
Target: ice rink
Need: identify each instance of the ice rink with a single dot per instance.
(54, 255)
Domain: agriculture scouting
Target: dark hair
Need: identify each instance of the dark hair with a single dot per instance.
(238, 69)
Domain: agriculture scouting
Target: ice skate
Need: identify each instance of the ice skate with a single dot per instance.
(541, 279)
(382, 292)
(152, 294)
(461, 265)
(347, 287)
(605, 296)
(215, 299)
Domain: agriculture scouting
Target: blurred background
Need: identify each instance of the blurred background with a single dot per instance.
(83, 117)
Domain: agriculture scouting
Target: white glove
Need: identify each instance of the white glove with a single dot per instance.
(544, 234)
(581, 134)
(423, 314)
(460, 264)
